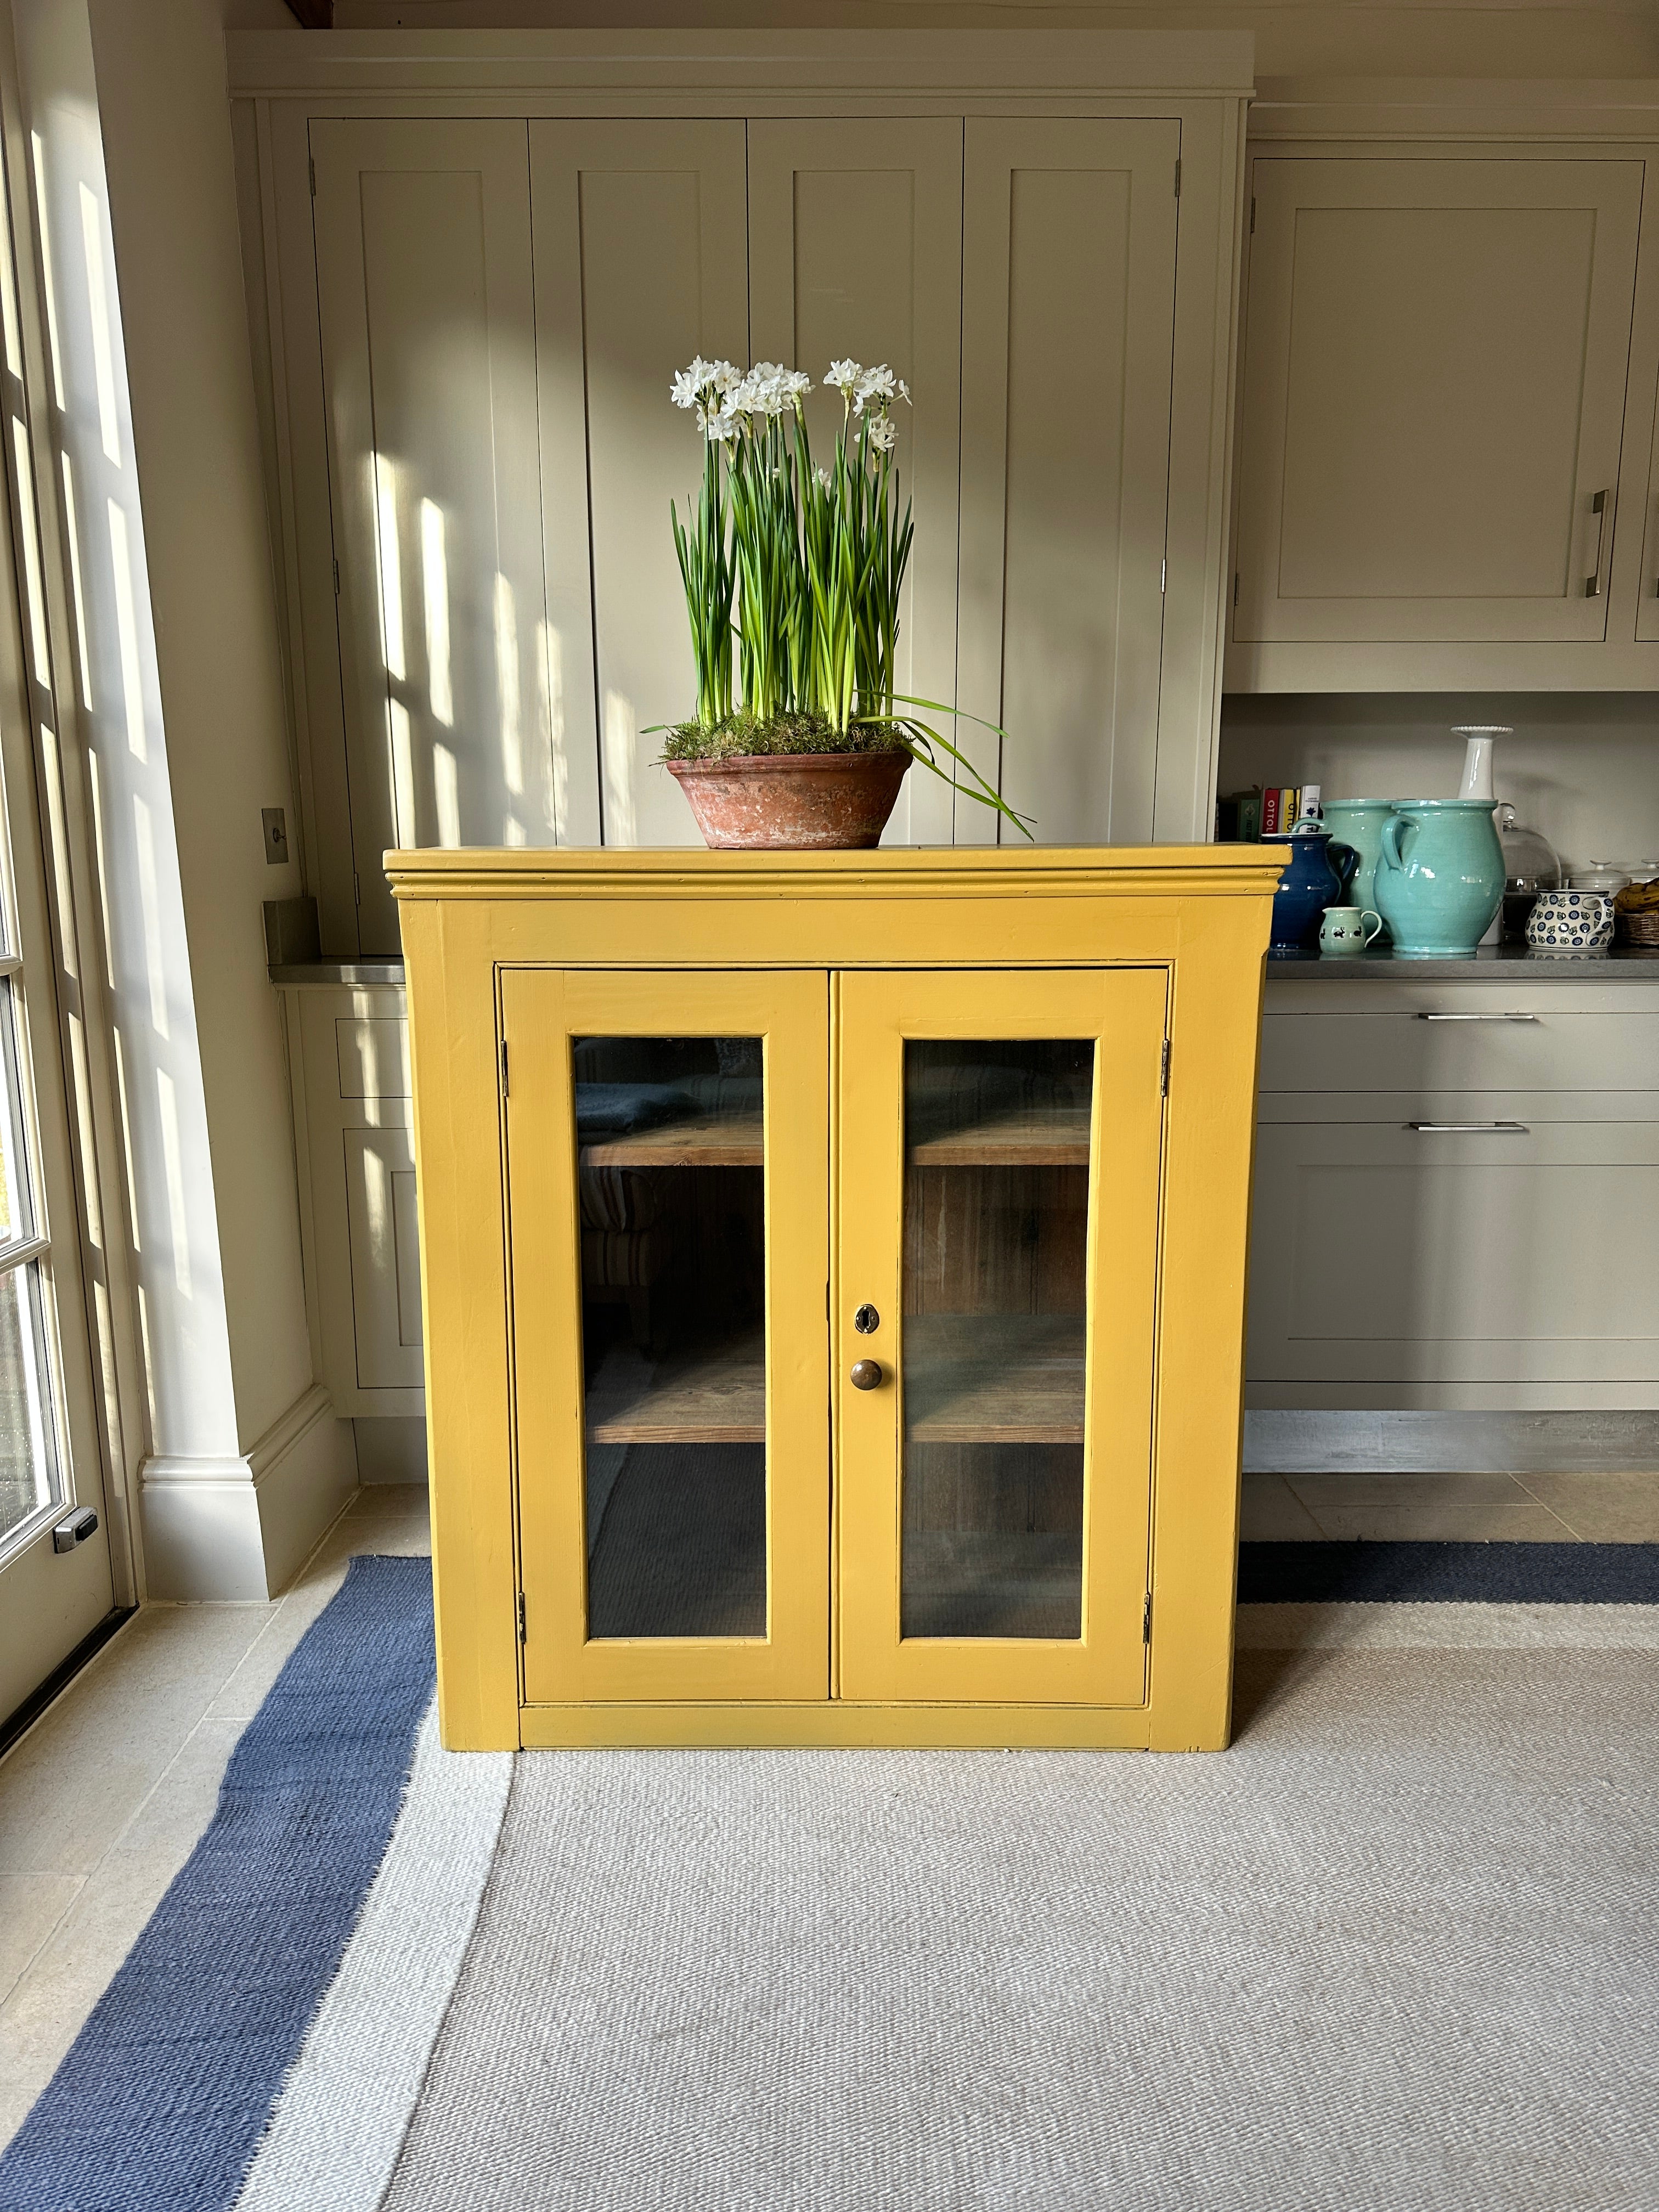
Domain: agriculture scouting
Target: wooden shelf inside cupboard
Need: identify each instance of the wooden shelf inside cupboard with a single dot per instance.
(727, 1140)
(713, 1395)
(1034, 1137)
(993, 1378)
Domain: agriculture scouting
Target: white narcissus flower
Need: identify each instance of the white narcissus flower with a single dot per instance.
(718, 426)
(884, 434)
(723, 376)
(763, 390)
(684, 389)
(904, 391)
(845, 377)
(796, 385)
(875, 384)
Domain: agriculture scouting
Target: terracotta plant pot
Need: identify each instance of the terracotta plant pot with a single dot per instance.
(792, 802)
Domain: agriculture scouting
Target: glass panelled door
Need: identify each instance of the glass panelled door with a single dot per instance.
(668, 1170)
(999, 1151)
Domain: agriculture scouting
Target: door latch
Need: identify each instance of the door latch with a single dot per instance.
(75, 1530)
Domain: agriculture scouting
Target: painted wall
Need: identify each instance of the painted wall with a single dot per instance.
(1583, 769)
(179, 689)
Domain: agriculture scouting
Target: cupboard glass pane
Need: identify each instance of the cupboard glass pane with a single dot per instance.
(996, 1215)
(671, 1182)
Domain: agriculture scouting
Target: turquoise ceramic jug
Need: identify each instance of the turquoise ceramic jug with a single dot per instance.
(1439, 876)
(1358, 824)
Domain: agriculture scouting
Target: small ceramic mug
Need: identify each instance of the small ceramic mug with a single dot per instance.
(1570, 922)
(1343, 932)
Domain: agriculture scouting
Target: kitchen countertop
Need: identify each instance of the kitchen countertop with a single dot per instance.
(1493, 964)
(320, 974)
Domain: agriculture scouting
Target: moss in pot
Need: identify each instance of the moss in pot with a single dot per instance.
(804, 566)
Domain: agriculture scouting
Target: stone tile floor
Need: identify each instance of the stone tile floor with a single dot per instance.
(101, 1803)
(104, 1799)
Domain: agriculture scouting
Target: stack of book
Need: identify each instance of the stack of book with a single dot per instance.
(1246, 816)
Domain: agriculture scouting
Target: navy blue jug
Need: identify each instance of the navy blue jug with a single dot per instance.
(1318, 876)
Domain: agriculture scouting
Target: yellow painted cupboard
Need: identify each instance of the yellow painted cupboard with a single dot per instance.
(834, 1282)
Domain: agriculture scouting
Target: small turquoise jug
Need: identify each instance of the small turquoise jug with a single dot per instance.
(1317, 876)
(1358, 824)
(1440, 875)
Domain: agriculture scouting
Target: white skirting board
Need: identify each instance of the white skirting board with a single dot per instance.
(239, 1527)
(1300, 1442)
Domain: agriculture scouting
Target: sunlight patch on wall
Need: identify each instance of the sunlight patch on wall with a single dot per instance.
(126, 626)
(173, 1160)
(103, 350)
(388, 562)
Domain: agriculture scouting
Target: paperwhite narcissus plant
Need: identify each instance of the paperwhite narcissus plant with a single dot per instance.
(805, 566)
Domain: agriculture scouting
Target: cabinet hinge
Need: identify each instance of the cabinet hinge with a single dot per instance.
(521, 1615)
(313, 166)
(1177, 176)
(1252, 215)
(356, 888)
(1145, 1619)
(504, 1084)
(1163, 575)
(1164, 1072)
(336, 580)
(1235, 587)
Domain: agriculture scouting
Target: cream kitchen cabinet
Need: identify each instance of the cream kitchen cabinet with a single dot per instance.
(1446, 403)
(471, 319)
(348, 1054)
(1456, 1194)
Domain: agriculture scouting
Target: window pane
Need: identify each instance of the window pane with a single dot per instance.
(996, 1223)
(671, 1182)
(28, 1457)
(16, 1213)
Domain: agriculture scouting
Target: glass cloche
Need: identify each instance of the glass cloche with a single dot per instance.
(1530, 865)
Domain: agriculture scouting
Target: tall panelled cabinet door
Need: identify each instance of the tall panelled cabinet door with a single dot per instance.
(667, 1164)
(1000, 1140)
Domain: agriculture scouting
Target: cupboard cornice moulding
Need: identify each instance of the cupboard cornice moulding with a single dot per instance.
(1619, 110)
(620, 872)
(742, 73)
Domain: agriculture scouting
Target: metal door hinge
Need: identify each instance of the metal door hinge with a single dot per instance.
(336, 580)
(1252, 215)
(521, 1616)
(1235, 587)
(1177, 176)
(1163, 575)
(504, 1084)
(1164, 1072)
(1146, 1620)
(356, 889)
(313, 165)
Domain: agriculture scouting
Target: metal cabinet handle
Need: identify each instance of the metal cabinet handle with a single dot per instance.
(865, 1374)
(1599, 510)
(1478, 1129)
(1477, 1017)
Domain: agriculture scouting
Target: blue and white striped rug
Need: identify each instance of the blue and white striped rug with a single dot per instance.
(1394, 1949)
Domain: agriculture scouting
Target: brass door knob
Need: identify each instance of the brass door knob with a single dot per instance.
(865, 1374)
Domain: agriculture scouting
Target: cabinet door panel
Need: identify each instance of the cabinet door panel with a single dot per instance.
(1068, 299)
(640, 263)
(423, 272)
(999, 1144)
(668, 1165)
(385, 1258)
(855, 249)
(1384, 1253)
(1436, 358)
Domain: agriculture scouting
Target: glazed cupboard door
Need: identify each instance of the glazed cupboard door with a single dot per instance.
(1435, 366)
(999, 1155)
(668, 1208)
